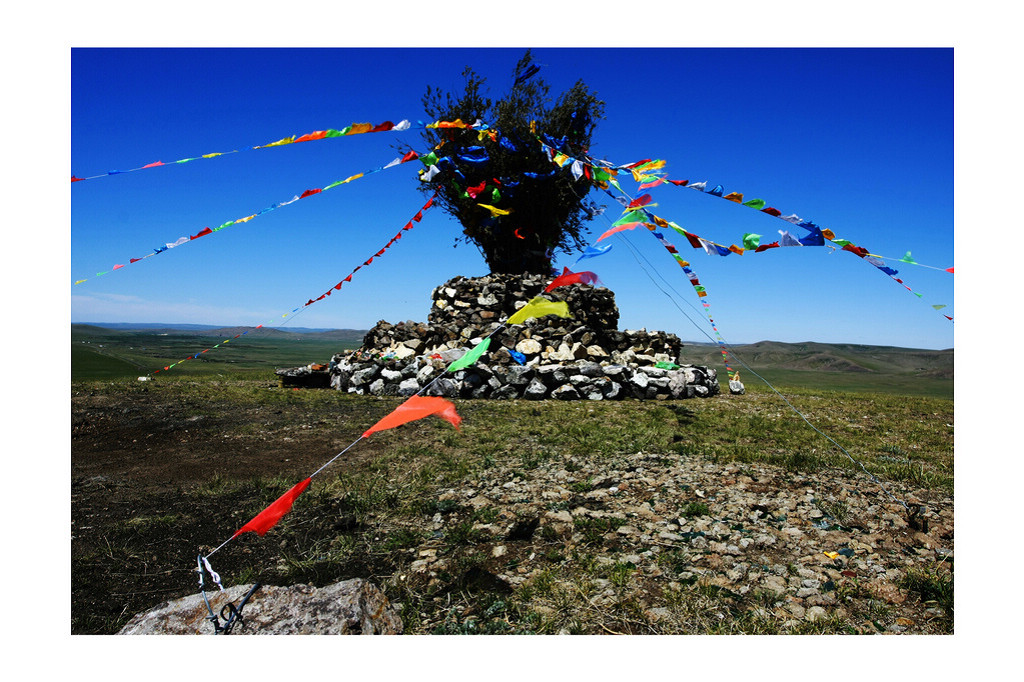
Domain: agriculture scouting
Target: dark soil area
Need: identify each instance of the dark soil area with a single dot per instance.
(157, 478)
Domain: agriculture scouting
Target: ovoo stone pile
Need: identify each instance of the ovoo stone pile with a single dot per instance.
(583, 357)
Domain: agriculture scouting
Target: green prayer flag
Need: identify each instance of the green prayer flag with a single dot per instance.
(666, 365)
(470, 357)
(677, 228)
(842, 242)
(331, 132)
(907, 258)
(939, 306)
(334, 184)
(429, 160)
(755, 203)
(636, 216)
(751, 240)
(495, 195)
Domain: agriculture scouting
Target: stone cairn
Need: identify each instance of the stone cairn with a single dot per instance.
(583, 357)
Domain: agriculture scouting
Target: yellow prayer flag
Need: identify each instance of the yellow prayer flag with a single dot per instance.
(283, 140)
(560, 159)
(210, 156)
(357, 128)
(828, 234)
(495, 212)
(734, 196)
(539, 307)
(353, 177)
(245, 219)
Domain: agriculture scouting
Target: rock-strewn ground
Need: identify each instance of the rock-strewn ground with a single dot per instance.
(684, 544)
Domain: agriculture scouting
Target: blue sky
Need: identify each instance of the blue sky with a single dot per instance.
(858, 140)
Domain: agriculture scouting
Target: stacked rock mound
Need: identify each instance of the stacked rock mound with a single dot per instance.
(582, 357)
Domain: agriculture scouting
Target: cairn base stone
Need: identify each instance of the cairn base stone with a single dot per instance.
(584, 357)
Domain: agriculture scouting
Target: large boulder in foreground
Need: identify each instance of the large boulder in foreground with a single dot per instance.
(350, 607)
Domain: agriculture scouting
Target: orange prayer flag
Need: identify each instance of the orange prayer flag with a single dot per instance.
(417, 407)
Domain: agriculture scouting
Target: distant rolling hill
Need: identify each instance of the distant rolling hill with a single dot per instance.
(201, 330)
(831, 357)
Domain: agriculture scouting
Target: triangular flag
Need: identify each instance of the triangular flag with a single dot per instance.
(269, 517)
(471, 356)
(417, 407)
(593, 252)
(567, 277)
(617, 228)
(539, 307)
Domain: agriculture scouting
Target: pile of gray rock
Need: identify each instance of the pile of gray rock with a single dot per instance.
(582, 357)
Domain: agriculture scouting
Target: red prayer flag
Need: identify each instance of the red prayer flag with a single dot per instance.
(154, 164)
(383, 127)
(269, 517)
(617, 228)
(949, 269)
(116, 267)
(418, 217)
(381, 252)
(347, 279)
(315, 135)
(680, 183)
(567, 277)
(338, 285)
(430, 202)
(474, 191)
(74, 179)
(772, 211)
(859, 250)
(410, 156)
(134, 260)
(694, 240)
(642, 200)
(205, 231)
(310, 192)
(417, 407)
(765, 247)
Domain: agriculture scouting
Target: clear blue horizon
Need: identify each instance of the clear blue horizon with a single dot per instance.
(858, 140)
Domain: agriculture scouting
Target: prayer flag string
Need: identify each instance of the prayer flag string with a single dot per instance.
(409, 156)
(604, 175)
(354, 129)
(408, 226)
(416, 407)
